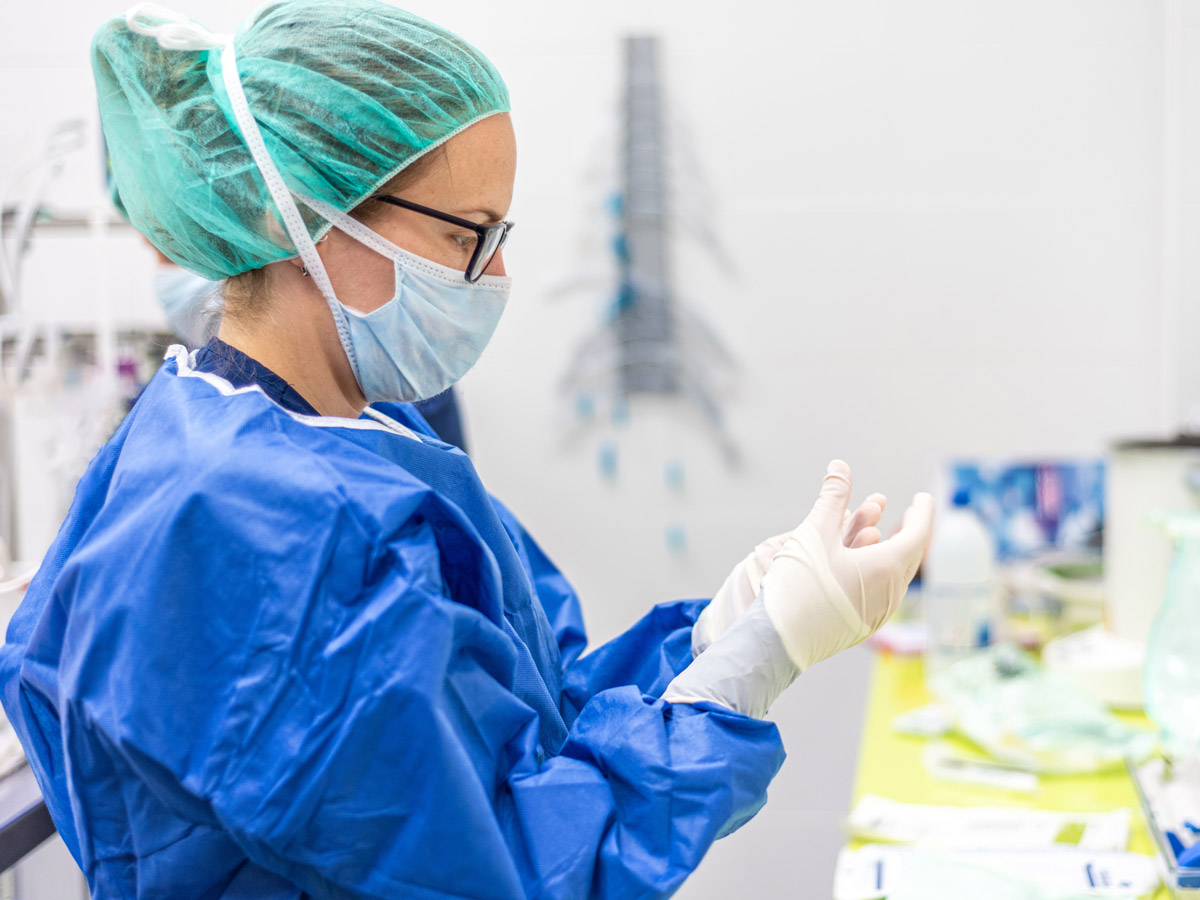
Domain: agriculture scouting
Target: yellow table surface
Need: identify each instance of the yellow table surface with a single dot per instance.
(890, 764)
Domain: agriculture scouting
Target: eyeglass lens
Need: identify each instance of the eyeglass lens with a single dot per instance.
(491, 243)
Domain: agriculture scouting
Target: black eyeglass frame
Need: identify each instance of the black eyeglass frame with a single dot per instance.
(484, 234)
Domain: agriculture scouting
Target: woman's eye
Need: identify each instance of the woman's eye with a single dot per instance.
(466, 241)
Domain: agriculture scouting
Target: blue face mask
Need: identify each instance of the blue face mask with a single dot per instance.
(192, 304)
(429, 334)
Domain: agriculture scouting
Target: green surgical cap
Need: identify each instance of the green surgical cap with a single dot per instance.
(346, 93)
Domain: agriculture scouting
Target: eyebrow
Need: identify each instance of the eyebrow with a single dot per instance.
(492, 217)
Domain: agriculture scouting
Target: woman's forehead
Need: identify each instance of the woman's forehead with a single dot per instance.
(476, 166)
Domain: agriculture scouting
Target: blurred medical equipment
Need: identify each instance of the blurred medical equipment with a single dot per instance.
(1106, 666)
(1067, 585)
(1069, 820)
(69, 366)
(651, 343)
(12, 757)
(1035, 507)
(1037, 720)
(20, 202)
(818, 598)
(1048, 520)
(1044, 521)
(1143, 477)
(55, 420)
(1169, 794)
(14, 579)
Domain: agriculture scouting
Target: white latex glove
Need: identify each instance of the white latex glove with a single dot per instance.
(823, 597)
(741, 587)
(817, 597)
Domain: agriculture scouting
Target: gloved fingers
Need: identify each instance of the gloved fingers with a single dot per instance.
(833, 500)
(861, 521)
(866, 516)
(756, 564)
(916, 529)
(765, 552)
(905, 548)
(878, 499)
(866, 537)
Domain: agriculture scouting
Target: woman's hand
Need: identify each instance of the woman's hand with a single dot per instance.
(823, 596)
(828, 585)
(741, 587)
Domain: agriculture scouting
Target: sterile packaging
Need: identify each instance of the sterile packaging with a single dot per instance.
(946, 762)
(876, 818)
(883, 870)
(932, 720)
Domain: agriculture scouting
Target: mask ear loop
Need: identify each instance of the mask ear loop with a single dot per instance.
(381, 245)
(374, 241)
(354, 228)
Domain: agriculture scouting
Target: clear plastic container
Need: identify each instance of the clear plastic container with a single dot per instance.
(958, 587)
(1171, 678)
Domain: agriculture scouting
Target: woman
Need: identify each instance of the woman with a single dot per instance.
(285, 644)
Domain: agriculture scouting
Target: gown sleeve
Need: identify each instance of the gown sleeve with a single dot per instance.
(648, 656)
(334, 693)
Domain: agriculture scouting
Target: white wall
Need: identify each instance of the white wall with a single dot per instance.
(948, 224)
(1182, 210)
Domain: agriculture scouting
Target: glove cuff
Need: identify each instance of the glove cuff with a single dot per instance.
(744, 671)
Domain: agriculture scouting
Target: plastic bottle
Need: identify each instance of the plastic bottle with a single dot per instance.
(959, 586)
(1171, 677)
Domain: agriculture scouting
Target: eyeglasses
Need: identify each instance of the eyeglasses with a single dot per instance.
(490, 238)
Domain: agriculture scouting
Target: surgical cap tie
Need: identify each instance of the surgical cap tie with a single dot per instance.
(173, 31)
(177, 33)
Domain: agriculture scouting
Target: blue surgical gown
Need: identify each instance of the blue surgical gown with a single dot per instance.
(274, 655)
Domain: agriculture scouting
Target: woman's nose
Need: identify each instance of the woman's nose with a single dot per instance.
(496, 266)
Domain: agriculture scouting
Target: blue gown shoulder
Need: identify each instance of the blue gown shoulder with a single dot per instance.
(276, 657)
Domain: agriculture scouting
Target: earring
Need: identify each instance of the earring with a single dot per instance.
(304, 271)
